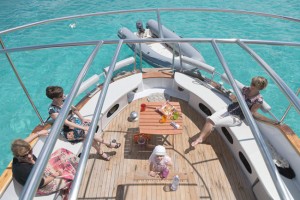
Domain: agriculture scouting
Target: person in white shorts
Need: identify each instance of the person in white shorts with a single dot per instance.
(233, 115)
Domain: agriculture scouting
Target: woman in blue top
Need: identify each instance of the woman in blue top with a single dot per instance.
(233, 115)
(75, 128)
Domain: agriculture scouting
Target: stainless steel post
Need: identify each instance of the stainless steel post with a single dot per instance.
(21, 83)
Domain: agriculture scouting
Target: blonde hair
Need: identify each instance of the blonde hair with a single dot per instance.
(20, 148)
(259, 82)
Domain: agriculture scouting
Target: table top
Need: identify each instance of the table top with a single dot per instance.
(149, 120)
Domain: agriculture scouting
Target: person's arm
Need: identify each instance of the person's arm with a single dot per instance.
(232, 97)
(260, 117)
(254, 109)
(51, 177)
(76, 111)
(151, 166)
(34, 135)
(70, 124)
(151, 172)
(169, 162)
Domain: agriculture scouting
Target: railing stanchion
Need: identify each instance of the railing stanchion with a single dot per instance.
(159, 24)
(21, 83)
(141, 56)
(30, 188)
(91, 132)
(288, 108)
(278, 182)
(277, 79)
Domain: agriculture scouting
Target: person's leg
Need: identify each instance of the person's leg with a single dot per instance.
(99, 139)
(64, 162)
(97, 146)
(219, 118)
(207, 128)
(229, 121)
(211, 121)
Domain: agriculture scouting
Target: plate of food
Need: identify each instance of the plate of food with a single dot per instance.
(166, 109)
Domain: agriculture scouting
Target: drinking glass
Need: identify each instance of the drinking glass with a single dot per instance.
(143, 107)
(163, 119)
(175, 115)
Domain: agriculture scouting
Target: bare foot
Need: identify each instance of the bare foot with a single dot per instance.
(104, 156)
(152, 173)
(198, 141)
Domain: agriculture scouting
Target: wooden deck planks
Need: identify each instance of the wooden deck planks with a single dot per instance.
(213, 172)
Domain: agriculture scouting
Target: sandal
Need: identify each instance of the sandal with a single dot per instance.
(104, 156)
(116, 146)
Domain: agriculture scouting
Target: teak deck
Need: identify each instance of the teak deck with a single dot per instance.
(207, 172)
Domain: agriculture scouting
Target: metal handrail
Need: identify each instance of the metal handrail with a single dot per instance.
(279, 82)
(149, 10)
(278, 182)
(89, 139)
(21, 83)
(180, 57)
(161, 35)
(36, 174)
(288, 108)
(158, 40)
(139, 41)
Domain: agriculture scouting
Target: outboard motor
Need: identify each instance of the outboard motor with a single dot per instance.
(139, 26)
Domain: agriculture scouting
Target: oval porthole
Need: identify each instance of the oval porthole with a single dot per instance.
(112, 110)
(227, 135)
(135, 90)
(205, 109)
(245, 162)
(180, 89)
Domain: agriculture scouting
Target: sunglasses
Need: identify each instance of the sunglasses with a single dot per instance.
(29, 152)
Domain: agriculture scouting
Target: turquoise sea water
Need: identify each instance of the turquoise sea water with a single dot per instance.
(39, 69)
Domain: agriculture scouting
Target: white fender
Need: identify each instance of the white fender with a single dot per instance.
(198, 64)
(121, 64)
(88, 83)
(95, 78)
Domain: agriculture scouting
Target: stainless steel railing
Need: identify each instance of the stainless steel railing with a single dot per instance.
(283, 193)
(89, 140)
(21, 83)
(280, 83)
(30, 187)
(288, 108)
(288, 93)
(157, 10)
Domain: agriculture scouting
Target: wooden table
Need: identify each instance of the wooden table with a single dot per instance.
(149, 121)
